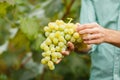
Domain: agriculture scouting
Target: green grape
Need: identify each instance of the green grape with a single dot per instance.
(52, 49)
(79, 40)
(51, 65)
(67, 37)
(43, 61)
(47, 58)
(66, 31)
(72, 39)
(64, 41)
(59, 22)
(52, 45)
(59, 55)
(57, 48)
(61, 38)
(48, 41)
(51, 25)
(56, 27)
(54, 54)
(62, 34)
(57, 34)
(55, 40)
(69, 25)
(62, 27)
(61, 44)
(42, 45)
(51, 36)
(63, 49)
(44, 54)
(46, 29)
(76, 35)
(54, 59)
(48, 53)
(47, 34)
(71, 31)
(46, 48)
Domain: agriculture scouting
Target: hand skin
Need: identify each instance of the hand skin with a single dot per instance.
(98, 34)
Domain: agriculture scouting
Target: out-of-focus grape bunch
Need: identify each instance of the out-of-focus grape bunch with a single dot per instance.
(57, 34)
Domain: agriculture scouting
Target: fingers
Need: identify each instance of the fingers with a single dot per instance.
(86, 26)
(89, 31)
(94, 41)
(70, 46)
(93, 36)
(66, 53)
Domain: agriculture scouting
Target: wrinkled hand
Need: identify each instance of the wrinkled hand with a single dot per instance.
(96, 33)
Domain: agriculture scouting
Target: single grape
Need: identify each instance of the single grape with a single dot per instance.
(44, 54)
(51, 36)
(52, 49)
(55, 40)
(46, 48)
(57, 48)
(67, 37)
(54, 54)
(43, 61)
(54, 60)
(59, 55)
(61, 38)
(43, 45)
(51, 65)
(47, 34)
(48, 41)
(76, 35)
(47, 58)
(71, 31)
(61, 44)
(66, 31)
(72, 39)
(57, 34)
(52, 25)
(79, 40)
(46, 29)
(59, 22)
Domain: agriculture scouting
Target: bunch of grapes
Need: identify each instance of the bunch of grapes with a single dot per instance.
(57, 34)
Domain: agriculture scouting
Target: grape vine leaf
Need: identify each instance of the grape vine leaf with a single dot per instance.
(29, 27)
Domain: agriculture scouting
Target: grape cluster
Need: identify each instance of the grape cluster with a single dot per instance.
(57, 34)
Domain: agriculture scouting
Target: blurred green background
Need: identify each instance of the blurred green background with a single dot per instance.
(21, 33)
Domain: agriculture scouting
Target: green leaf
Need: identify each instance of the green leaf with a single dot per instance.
(55, 6)
(19, 43)
(3, 7)
(29, 27)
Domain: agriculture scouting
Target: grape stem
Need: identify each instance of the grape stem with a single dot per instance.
(68, 9)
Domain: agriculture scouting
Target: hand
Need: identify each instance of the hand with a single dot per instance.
(70, 48)
(95, 33)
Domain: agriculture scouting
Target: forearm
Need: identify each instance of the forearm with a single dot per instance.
(113, 37)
